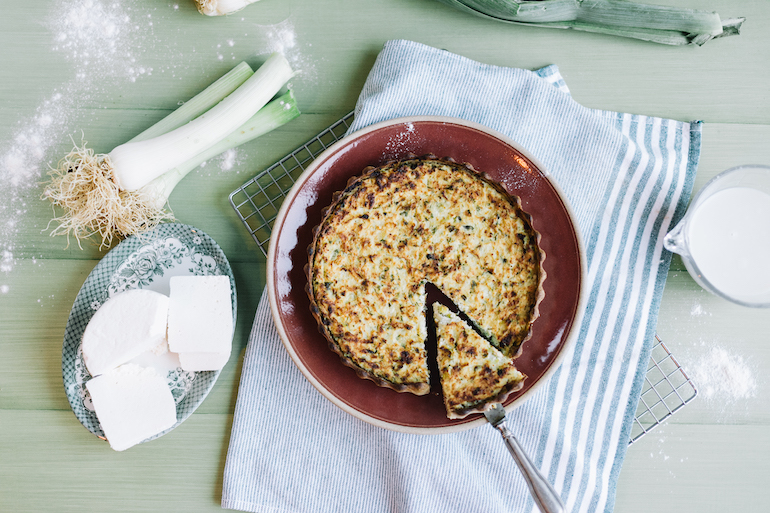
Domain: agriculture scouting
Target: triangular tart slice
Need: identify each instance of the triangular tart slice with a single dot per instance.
(474, 373)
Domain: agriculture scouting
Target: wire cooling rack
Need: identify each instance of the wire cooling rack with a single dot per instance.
(258, 200)
(666, 387)
(666, 390)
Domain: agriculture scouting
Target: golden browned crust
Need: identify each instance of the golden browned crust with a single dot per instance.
(397, 226)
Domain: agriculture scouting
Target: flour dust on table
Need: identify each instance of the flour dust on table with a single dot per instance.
(22, 163)
(697, 310)
(228, 161)
(93, 34)
(103, 42)
(282, 37)
(722, 376)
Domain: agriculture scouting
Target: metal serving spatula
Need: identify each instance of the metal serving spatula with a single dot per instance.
(544, 494)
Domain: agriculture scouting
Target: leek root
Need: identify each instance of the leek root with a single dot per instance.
(655, 23)
(221, 7)
(124, 192)
(104, 210)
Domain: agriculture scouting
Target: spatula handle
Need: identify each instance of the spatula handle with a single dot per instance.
(543, 493)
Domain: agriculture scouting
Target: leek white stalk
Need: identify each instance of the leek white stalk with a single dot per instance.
(276, 113)
(109, 194)
(199, 103)
(134, 164)
(221, 7)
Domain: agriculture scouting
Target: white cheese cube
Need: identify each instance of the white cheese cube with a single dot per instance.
(203, 361)
(125, 326)
(132, 404)
(200, 318)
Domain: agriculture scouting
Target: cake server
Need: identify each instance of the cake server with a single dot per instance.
(542, 492)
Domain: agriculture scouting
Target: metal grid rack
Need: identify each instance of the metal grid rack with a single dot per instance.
(258, 200)
(666, 387)
(666, 390)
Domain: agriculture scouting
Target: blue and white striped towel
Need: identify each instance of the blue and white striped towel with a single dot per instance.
(628, 179)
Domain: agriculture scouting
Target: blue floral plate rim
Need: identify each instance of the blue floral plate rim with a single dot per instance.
(146, 261)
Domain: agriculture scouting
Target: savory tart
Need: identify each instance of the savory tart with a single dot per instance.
(474, 373)
(408, 222)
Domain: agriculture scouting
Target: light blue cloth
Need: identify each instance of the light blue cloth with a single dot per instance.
(628, 179)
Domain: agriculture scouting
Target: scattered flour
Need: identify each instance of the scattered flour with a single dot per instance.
(723, 376)
(100, 35)
(401, 143)
(698, 311)
(282, 38)
(100, 39)
(226, 161)
(23, 160)
(104, 42)
(6, 261)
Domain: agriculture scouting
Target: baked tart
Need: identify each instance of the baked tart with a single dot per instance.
(408, 222)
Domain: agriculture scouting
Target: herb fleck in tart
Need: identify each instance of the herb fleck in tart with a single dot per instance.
(408, 222)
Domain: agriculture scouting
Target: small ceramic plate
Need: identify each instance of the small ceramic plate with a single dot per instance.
(489, 152)
(146, 261)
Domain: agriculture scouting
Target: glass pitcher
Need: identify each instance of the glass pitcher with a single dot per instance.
(724, 238)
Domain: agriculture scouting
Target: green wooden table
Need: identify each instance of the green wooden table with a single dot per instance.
(112, 70)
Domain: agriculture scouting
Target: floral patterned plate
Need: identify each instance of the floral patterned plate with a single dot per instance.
(145, 261)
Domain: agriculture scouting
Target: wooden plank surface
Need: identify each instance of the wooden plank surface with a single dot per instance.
(52, 464)
(58, 84)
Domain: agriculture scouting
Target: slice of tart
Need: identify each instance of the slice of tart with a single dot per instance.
(474, 373)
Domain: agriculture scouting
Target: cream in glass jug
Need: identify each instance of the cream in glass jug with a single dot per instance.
(724, 238)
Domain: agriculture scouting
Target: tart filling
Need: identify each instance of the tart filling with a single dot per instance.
(396, 227)
(474, 373)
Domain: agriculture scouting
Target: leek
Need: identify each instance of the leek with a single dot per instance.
(221, 7)
(276, 113)
(124, 192)
(655, 23)
(199, 103)
(136, 163)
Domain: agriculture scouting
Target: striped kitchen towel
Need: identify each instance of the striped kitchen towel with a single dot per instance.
(628, 178)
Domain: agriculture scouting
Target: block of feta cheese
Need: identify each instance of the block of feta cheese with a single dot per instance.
(132, 404)
(125, 326)
(200, 321)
